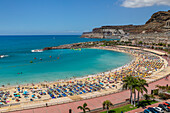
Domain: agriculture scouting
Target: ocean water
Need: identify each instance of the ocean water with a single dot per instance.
(55, 64)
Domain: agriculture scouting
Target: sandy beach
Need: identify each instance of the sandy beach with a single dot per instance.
(145, 65)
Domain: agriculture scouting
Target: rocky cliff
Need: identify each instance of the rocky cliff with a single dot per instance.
(158, 20)
(157, 23)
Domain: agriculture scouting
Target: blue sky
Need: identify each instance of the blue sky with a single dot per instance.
(73, 16)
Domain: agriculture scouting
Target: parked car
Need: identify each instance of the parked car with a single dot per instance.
(147, 111)
(152, 110)
(164, 107)
(160, 110)
(168, 105)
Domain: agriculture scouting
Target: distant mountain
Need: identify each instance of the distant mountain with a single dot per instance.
(159, 17)
(157, 23)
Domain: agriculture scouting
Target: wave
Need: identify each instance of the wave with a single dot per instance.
(2, 56)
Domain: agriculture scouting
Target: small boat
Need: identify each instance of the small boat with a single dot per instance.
(37, 50)
(2, 56)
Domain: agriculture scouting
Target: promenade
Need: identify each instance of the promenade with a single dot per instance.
(94, 102)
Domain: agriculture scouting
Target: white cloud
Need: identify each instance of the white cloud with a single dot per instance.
(144, 3)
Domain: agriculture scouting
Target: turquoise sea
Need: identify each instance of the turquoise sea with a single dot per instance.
(63, 64)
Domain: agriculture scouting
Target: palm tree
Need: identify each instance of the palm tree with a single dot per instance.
(128, 84)
(134, 87)
(162, 88)
(141, 87)
(107, 104)
(84, 107)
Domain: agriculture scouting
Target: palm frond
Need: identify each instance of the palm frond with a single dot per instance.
(84, 105)
(80, 107)
(88, 109)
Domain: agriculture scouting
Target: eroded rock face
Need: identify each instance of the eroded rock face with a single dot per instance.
(159, 17)
(156, 23)
(125, 28)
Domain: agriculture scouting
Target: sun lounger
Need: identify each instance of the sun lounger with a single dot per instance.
(84, 91)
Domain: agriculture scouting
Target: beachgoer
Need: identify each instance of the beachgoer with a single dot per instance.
(166, 78)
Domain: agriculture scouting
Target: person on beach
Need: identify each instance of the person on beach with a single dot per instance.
(166, 78)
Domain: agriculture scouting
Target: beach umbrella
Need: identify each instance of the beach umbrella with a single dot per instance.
(25, 93)
(101, 83)
(7, 101)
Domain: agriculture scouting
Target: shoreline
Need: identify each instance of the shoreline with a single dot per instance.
(83, 76)
(108, 91)
(74, 78)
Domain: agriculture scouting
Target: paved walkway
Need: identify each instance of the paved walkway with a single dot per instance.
(92, 103)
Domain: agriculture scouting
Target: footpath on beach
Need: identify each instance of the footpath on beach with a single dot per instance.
(93, 99)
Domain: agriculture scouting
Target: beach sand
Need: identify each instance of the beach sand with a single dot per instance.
(104, 83)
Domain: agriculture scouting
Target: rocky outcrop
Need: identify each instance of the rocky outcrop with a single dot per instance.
(156, 23)
(77, 46)
(92, 35)
(68, 46)
(125, 28)
(159, 17)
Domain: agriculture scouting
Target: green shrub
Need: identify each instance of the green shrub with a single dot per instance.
(155, 92)
(162, 96)
(146, 96)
